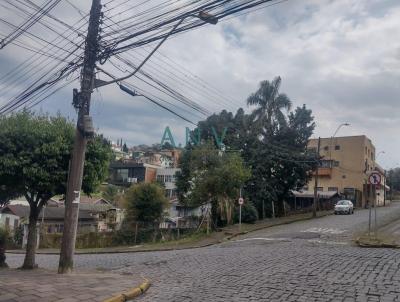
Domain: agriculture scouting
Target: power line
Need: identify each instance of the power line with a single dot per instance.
(42, 11)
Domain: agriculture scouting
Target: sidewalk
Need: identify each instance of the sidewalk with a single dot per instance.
(45, 286)
(387, 236)
(202, 240)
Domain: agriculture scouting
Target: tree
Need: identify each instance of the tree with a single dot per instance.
(393, 179)
(111, 193)
(281, 162)
(269, 115)
(145, 203)
(272, 143)
(34, 159)
(209, 175)
(3, 241)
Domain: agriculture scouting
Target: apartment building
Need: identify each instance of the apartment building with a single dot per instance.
(345, 166)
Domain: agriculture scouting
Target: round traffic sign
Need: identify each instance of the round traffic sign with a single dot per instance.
(374, 179)
(241, 200)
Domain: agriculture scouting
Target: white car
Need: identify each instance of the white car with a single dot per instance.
(344, 206)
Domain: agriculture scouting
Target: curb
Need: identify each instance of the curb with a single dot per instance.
(273, 225)
(178, 248)
(376, 243)
(131, 294)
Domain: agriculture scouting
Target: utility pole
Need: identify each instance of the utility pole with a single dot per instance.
(84, 130)
(316, 180)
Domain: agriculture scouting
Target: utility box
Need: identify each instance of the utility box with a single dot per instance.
(87, 126)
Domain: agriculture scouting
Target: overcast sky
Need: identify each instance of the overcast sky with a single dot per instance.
(341, 58)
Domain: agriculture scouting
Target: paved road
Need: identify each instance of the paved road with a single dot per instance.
(304, 261)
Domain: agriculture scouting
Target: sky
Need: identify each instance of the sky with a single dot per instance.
(339, 57)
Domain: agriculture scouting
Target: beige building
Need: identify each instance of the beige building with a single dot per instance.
(345, 167)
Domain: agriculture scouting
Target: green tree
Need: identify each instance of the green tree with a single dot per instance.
(3, 241)
(211, 176)
(249, 213)
(280, 163)
(272, 142)
(269, 114)
(34, 158)
(146, 203)
(393, 179)
(111, 193)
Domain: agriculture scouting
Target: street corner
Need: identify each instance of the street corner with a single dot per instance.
(46, 285)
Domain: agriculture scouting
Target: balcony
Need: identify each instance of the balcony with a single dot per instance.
(323, 172)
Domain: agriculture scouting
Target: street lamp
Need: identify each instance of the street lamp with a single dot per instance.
(334, 134)
(338, 128)
(379, 153)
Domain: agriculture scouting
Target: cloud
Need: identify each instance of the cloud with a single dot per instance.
(341, 58)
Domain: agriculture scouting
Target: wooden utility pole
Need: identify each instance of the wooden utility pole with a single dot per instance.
(84, 130)
(316, 180)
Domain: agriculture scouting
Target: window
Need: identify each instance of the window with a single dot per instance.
(333, 189)
(160, 178)
(336, 163)
(320, 189)
(343, 176)
(337, 147)
(372, 155)
(325, 164)
(122, 175)
(312, 150)
(366, 151)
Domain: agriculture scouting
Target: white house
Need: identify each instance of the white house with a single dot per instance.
(9, 219)
(166, 176)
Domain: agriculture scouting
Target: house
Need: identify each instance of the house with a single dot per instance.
(182, 216)
(95, 215)
(51, 218)
(9, 220)
(166, 176)
(124, 173)
(107, 216)
(305, 199)
(345, 167)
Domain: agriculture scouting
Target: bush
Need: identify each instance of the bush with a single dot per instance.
(18, 235)
(249, 213)
(4, 237)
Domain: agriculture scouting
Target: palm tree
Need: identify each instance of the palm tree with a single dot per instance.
(271, 103)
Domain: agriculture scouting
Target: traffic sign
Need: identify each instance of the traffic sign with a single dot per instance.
(241, 200)
(375, 178)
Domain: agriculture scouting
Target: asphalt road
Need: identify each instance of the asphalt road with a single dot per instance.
(311, 260)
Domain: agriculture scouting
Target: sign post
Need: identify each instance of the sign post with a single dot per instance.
(241, 200)
(374, 180)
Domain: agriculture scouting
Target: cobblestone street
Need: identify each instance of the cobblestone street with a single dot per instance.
(312, 260)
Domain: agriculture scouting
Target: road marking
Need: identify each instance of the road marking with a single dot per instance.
(327, 242)
(263, 238)
(324, 231)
